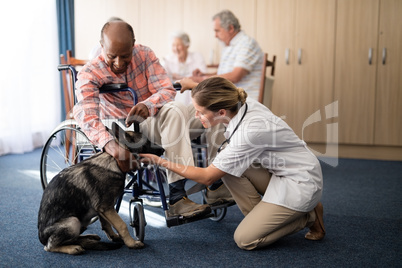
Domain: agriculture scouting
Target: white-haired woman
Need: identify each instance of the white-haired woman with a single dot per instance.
(181, 62)
(274, 179)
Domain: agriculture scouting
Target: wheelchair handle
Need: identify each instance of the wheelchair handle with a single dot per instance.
(63, 67)
(108, 88)
(177, 86)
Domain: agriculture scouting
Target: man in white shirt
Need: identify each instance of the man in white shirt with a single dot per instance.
(241, 58)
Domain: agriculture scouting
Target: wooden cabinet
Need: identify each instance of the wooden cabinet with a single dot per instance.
(388, 101)
(302, 36)
(314, 69)
(330, 68)
(368, 89)
(275, 34)
(355, 74)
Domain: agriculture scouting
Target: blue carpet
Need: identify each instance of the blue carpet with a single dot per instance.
(362, 213)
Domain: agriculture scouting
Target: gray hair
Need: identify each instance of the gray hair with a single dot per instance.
(227, 18)
(182, 35)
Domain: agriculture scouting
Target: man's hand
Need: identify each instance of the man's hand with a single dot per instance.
(137, 114)
(197, 72)
(125, 160)
(187, 83)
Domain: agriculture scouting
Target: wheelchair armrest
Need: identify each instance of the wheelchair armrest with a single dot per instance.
(110, 88)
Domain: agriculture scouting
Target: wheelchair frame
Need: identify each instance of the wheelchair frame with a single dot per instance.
(77, 147)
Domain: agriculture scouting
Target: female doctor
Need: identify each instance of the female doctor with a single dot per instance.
(275, 180)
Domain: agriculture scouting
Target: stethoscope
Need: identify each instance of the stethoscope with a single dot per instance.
(227, 141)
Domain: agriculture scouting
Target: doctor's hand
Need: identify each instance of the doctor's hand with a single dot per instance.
(151, 159)
(137, 114)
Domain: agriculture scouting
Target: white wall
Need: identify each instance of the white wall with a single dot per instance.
(153, 20)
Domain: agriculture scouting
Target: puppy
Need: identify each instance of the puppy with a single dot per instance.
(85, 190)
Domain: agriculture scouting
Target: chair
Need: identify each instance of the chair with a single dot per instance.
(69, 95)
(68, 91)
(266, 83)
(73, 61)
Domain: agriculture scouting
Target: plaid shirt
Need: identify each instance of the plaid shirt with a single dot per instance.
(144, 74)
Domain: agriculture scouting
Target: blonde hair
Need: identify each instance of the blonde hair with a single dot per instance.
(217, 93)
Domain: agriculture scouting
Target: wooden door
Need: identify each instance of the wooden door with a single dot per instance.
(314, 68)
(275, 34)
(197, 22)
(388, 112)
(157, 21)
(355, 75)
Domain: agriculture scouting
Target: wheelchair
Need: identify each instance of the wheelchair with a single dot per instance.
(68, 145)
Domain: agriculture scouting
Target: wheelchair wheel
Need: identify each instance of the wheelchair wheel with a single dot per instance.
(219, 213)
(137, 221)
(66, 146)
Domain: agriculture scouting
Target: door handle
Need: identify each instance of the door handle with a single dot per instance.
(287, 56)
(370, 55)
(384, 55)
(299, 55)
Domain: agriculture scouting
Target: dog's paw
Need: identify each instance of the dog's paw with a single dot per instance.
(70, 249)
(75, 250)
(134, 244)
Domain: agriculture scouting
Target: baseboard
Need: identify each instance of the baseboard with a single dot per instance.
(393, 153)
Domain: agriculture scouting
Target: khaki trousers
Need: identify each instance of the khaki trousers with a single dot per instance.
(173, 128)
(264, 223)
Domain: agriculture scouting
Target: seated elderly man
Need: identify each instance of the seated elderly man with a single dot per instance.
(241, 58)
(162, 121)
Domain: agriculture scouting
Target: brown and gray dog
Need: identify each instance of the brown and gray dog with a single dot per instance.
(85, 190)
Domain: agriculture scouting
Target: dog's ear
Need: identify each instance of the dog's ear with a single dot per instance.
(134, 141)
(124, 136)
(119, 134)
(131, 136)
(129, 140)
(116, 130)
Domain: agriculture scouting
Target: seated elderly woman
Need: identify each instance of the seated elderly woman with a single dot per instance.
(181, 62)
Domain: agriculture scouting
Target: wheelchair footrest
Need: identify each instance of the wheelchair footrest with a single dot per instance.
(179, 220)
